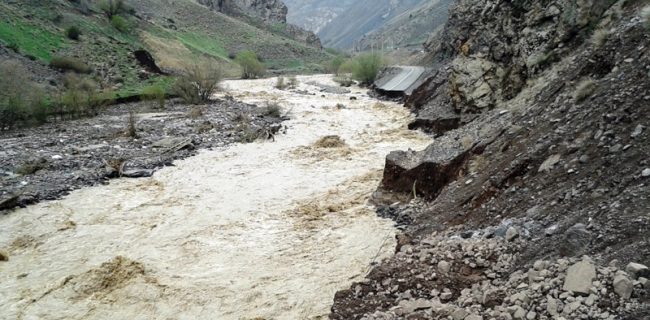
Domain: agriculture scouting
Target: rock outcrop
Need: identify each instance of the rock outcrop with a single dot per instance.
(489, 49)
(270, 11)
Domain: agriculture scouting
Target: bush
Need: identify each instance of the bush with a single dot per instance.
(154, 93)
(335, 64)
(280, 84)
(599, 37)
(112, 8)
(21, 101)
(273, 110)
(120, 24)
(13, 46)
(131, 130)
(293, 82)
(366, 67)
(584, 90)
(198, 82)
(80, 98)
(69, 64)
(73, 32)
(346, 67)
(251, 66)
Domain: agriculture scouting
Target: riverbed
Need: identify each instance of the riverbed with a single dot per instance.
(263, 230)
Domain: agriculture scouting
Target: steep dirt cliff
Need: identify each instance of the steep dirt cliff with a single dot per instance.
(541, 110)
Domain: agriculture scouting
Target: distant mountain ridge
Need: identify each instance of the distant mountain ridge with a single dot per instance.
(346, 24)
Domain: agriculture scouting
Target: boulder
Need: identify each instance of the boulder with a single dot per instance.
(8, 202)
(637, 270)
(512, 233)
(444, 267)
(410, 306)
(623, 286)
(424, 173)
(579, 278)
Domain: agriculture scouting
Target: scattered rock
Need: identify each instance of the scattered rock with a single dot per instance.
(4, 256)
(444, 267)
(579, 277)
(549, 163)
(637, 270)
(623, 286)
(637, 131)
(645, 173)
(512, 234)
(173, 144)
(137, 173)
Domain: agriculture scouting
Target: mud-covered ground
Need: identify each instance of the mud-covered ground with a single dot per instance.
(47, 162)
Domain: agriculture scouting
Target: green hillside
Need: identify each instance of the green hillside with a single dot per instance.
(175, 35)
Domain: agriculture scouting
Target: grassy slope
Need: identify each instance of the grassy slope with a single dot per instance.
(176, 35)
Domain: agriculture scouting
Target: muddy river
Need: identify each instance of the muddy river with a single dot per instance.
(266, 230)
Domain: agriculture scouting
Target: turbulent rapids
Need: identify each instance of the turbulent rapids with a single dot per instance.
(270, 229)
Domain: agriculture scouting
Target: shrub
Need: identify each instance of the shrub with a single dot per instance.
(69, 64)
(13, 46)
(251, 66)
(198, 82)
(280, 84)
(344, 81)
(80, 97)
(154, 93)
(346, 68)
(21, 101)
(599, 37)
(584, 89)
(131, 131)
(273, 110)
(366, 67)
(335, 64)
(73, 32)
(112, 7)
(293, 82)
(120, 24)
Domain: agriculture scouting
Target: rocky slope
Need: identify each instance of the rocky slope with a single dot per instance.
(541, 110)
(341, 24)
(272, 13)
(409, 29)
(314, 15)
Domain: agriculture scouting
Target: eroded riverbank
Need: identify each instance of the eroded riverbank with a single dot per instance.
(267, 229)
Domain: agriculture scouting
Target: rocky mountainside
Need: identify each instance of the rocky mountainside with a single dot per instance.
(271, 13)
(342, 24)
(314, 15)
(409, 29)
(533, 201)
